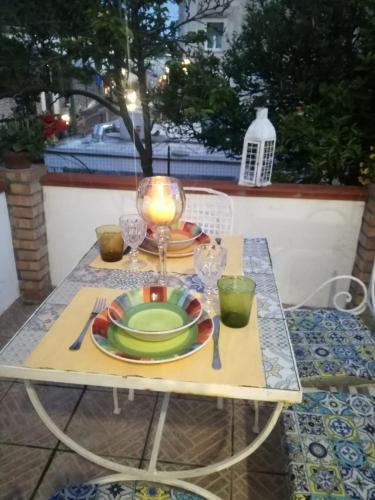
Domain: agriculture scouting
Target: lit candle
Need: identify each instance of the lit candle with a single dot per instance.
(161, 207)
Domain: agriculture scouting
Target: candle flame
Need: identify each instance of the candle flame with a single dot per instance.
(161, 206)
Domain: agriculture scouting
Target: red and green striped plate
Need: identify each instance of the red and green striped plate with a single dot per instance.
(116, 343)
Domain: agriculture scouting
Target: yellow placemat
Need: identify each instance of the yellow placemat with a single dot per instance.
(239, 348)
(182, 265)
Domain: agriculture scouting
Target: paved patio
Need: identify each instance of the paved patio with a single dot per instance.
(33, 463)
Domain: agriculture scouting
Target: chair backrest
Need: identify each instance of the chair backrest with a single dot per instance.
(211, 209)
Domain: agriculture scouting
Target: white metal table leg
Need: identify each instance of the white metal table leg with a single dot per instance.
(256, 417)
(159, 432)
(69, 442)
(116, 408)
(145, 474)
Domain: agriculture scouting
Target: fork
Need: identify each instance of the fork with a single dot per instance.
(98, 307)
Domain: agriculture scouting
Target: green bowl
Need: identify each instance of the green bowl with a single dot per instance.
(155, 313)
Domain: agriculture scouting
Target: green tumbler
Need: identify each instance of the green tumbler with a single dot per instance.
(236, 294)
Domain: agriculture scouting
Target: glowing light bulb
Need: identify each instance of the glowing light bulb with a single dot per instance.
(131, 96)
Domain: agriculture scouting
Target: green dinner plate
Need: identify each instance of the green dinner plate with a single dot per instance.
(116, 343)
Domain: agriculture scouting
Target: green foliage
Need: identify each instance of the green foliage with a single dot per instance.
(320, 142)
(199, 98)
(313, 64)
(22, 135)
(319, 92)
(367, 168)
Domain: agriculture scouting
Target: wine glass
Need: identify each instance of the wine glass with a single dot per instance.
(161, 202)
(210, 261)
(133, 230)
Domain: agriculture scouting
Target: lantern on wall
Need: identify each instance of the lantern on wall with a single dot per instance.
(258, 151)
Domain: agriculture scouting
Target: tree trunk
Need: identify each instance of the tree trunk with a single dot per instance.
(146, 116)
(146, 160)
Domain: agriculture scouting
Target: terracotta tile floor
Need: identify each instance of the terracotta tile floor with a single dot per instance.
(33, 463)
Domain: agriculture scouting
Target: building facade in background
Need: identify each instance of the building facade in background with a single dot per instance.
(219, 27)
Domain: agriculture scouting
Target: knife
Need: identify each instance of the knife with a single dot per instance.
(216, 363)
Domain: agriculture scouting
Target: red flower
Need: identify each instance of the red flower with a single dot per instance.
(60, 125)
(52, 125)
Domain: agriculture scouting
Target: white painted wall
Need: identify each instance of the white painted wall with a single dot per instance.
(310, 240)
(9, 290)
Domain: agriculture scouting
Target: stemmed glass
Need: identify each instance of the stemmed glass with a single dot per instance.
(161, 202)
(133, 230)
(210, 261)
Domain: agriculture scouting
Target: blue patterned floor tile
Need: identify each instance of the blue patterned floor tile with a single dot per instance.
(298, 478)
(336, 431)
(339, 427)
(338, 337)
(356, 368)
(345, 352)
(365, 428)
(349, 454)
(324, 403)
(298, 338)
(294, 449)
(317, 449)
(301, 352)
(310, 424)
(316, 337)
(330, 367)
(360, 405)
(307, 369)
(359, 483)
(289, 422)
(325, 480)
(321, 352)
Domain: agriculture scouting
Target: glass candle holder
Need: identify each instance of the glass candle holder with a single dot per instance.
(161, 202)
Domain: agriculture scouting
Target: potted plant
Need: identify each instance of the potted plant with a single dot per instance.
(21, 142)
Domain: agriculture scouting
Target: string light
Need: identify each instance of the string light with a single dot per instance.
(131, 96)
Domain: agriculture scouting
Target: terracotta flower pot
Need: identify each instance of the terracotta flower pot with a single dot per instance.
(15, 160)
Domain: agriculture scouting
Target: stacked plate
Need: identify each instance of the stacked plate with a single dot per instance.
(152, 324)
(185, 236)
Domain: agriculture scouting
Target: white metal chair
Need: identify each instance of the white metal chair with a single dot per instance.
(347, 371)
(368, 299)
(211, 209)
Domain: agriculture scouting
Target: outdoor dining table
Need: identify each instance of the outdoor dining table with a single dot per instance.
(34, 354)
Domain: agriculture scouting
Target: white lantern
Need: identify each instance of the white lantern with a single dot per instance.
(258, 151)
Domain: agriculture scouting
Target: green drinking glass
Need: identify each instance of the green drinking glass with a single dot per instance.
(236, 294)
